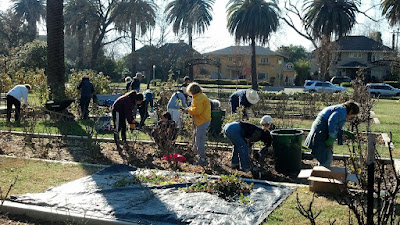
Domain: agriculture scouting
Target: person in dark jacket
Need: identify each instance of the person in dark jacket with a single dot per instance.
(245, 98)
(128, 82)
(144, 106)
(135, 86)
(87, 89)
(327, 127)
(122, 110)
(242, 134)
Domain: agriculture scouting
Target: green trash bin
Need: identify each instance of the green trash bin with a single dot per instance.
(287, 150)
(217, 116)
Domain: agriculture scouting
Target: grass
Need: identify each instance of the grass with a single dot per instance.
(37, 176)
(287, 213)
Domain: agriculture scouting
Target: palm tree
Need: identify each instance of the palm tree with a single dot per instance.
(391, 9)
(251, 21)
(134, 14)
(326, 18)
(77, 15)
(31, 11)
(188, 16)
(55, 48)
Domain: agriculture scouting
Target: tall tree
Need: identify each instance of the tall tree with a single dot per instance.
(135, 16)
(55, 48)
(326, 18)
(101, 25)
(251, 21)
(189, 16)
(391, 10)
(12, 32)
(293, 52)
(31, 11)
(77, 15)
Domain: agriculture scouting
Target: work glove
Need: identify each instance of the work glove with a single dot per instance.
(152, 109)
(329, 141)
(133, 125)
(349, 134)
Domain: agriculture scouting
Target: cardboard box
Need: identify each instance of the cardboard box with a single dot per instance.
(333, 172)
(325, 180)
(326, 185)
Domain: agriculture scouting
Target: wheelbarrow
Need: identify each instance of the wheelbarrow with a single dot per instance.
(58, 109)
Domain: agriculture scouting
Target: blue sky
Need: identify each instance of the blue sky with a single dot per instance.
(217, 36)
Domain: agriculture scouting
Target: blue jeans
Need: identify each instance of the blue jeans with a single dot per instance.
(240, 154)
(200, 134)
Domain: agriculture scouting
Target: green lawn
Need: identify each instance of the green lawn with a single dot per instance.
(37, 176)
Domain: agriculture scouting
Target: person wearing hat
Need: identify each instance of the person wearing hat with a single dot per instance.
(245, 98)
(122, 110)
(135, 86)
(242, 134)
(87, 89)
(14, 97)
(128, 82)
(327, 127)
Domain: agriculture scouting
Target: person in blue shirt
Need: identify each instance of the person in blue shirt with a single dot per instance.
(87, 89)
(326, 128)
(245, 98)
(175, 103)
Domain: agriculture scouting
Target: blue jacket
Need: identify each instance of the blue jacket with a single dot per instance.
(174, 102)
(86, 88)
(336, 117)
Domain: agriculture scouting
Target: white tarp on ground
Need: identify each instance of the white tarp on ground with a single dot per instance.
(98, 196)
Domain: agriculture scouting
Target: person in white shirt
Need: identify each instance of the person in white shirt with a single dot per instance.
(14, 97)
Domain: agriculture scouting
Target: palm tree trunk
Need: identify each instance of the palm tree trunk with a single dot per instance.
(191, 52)
(55, 48)
(254, 84)
(32, 28)
(81, 37)
(133, 50)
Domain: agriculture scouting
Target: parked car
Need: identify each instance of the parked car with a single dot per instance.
(322, 86)
(339, 80)
(377, 89)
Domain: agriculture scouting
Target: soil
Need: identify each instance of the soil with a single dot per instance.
(138, 154)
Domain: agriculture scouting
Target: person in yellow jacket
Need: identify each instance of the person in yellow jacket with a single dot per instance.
(200, 110)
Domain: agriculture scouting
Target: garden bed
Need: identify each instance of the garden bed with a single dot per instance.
(139, 154)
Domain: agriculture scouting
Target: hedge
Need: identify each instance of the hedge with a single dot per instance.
(229, 82)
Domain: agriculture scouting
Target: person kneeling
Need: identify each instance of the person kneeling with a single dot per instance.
(240, 134)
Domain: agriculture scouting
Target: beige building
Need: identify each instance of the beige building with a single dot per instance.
(236, 64)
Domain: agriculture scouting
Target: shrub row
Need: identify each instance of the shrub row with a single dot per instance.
(229, 82)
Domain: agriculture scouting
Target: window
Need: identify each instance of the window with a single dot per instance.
(262, 76)
(318, 84)
(239, 59)
(230, 59)
(326, 85)
(355, 55)
(264, 60)
(376, 56)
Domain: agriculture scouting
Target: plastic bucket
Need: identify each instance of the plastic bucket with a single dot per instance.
(287, 150)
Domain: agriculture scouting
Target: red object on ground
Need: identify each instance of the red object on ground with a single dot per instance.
(174, 157)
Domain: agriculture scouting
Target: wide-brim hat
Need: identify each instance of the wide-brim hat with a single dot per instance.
(252, 96)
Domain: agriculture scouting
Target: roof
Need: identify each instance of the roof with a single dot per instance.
(353, 64)
(243, 50)
(361, 43)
